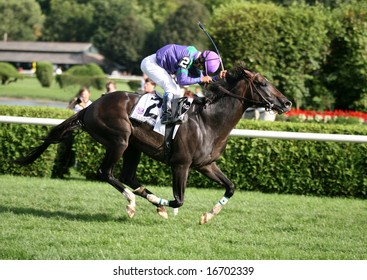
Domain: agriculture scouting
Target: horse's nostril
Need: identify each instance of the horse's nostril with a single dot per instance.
(288, 104)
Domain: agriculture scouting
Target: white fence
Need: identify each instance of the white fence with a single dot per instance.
(235, 132)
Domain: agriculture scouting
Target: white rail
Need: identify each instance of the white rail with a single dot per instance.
(235, 132)
(26, 120)
(299, 135)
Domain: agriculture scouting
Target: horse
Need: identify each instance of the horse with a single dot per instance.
(199, 142)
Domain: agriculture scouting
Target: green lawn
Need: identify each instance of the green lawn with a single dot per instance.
(45, 218)
(29, 87)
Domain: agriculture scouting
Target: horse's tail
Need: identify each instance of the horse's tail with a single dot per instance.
(56, 135)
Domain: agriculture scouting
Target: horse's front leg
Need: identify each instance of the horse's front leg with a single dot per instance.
(213, 172)
(179, 180)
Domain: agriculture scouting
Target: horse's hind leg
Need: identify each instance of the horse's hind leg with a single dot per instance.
(131, 159)
(105, 172)
(213, 172)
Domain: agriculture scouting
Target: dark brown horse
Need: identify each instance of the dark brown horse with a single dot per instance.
(198, 144)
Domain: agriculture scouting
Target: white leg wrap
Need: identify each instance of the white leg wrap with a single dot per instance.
(223, 201)
(175, 211)
(206, 217)
(216, 209)
(156, 200)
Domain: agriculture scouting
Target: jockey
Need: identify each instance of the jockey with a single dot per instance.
(187, 64)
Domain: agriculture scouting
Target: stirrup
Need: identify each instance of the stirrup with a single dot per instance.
(169, 120)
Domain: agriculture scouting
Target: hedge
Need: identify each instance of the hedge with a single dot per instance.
(44, 73)
(16, 140)
(90, 75)
(8, 71)
(266, 165)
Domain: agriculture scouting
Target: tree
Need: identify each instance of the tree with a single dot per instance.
(158, 10)
(126, 42)
(113, 33)
(345, 72)
(302, 49)
(45, 6)
(285, 44)
(69, 21)
(181, 27)
(20, 20)
(117, 28)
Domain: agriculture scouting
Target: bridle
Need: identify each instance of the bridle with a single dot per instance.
(268, 105)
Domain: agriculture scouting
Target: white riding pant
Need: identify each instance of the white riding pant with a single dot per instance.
(161, 77)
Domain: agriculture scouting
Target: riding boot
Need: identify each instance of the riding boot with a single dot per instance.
(166, 117)
(166, 112)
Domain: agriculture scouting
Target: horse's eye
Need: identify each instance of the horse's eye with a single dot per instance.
(262, 83)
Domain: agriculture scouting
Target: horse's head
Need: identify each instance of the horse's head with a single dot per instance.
(255, 90)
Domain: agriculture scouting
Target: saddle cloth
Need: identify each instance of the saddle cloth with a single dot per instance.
(148, 110)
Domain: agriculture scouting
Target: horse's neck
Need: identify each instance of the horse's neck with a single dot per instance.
(224, 114)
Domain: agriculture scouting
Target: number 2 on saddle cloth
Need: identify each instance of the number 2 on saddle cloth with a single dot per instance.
(149, 107)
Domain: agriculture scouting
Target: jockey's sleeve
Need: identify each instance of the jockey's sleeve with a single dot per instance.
(183, 78)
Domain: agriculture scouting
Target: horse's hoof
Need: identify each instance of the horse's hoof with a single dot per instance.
(205, 217)
(130, 211)
(162, 211)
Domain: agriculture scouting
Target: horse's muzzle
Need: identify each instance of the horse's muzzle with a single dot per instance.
(284, 107)
(288, 106)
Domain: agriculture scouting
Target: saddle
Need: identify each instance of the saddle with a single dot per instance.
(148, 110)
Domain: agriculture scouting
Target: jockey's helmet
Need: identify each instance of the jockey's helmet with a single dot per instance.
(211, 61)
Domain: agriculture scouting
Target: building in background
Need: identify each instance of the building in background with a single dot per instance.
(24, 54)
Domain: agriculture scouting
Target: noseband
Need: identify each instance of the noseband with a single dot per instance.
(268, 105)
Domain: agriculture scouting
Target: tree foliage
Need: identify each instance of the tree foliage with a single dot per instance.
(313, 50)
(285, 44)
(158, 10)
(120, 31)
(126, 42)
(181, 27)
(345, 71)
(20, 20)
(69, 21)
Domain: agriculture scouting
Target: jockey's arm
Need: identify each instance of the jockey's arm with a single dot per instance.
(183, 78)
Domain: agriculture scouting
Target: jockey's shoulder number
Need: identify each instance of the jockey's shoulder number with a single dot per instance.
(184, 62)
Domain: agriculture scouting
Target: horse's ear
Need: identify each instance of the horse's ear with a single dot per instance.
(248, 73)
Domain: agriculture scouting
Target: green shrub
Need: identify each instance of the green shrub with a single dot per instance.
(266, 165)
(90, 75)
(16, 140)
(44, 73)
(8, 71)
(285, 44)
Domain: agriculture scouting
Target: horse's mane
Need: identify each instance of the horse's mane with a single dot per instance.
(214, 92)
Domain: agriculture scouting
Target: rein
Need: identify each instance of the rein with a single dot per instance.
(268, 105)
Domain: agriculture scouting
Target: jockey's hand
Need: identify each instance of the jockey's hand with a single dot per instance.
(206, 79)
(222, 74)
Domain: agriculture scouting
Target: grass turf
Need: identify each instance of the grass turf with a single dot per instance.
(45, 218)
